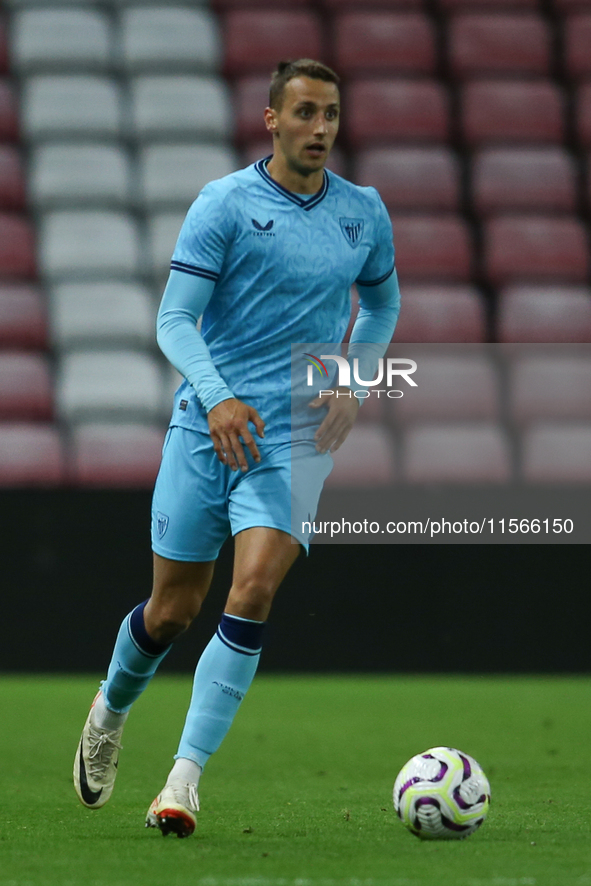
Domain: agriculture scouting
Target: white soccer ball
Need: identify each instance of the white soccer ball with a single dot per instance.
(442, 794)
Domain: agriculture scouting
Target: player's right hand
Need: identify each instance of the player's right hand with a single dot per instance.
(228, 423)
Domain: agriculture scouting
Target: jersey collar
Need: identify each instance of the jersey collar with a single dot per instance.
(307, 204)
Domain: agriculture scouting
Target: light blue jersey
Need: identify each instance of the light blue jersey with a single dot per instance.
(283, 266)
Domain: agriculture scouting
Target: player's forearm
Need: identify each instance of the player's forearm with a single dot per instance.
(185, 298)
(375, 325)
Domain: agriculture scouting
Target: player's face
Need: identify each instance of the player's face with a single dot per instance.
(306, 126)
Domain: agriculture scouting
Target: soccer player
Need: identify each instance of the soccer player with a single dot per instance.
(266, 256)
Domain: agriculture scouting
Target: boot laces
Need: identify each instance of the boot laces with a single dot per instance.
(101, 747)
(185, 793)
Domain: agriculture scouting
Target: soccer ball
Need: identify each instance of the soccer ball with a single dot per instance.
(442, 794)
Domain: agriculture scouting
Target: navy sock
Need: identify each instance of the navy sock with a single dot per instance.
(138, 631)
(241, 634)
(135, 660)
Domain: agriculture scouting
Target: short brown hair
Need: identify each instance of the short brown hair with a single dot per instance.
(303, 67)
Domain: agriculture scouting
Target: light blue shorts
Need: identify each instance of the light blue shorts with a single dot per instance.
(198, 501)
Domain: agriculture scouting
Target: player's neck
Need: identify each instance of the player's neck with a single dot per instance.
(291, 180)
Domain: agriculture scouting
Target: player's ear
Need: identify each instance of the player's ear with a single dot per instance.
(271, 120)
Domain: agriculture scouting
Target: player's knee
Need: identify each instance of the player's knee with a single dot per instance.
(169, 621)
(252, 597)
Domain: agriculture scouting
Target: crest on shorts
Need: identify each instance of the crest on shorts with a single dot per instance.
(352, 228)
(161, 524)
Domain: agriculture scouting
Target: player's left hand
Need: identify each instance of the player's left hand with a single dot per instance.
(338, 421)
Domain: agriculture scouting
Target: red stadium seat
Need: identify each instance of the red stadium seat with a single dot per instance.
(462, 452)
(224, 5)
(384, 43)
(550, 387)
(123, 455)
(372, 411)
(8, 113)
(441, 314)
(432, 248)
(536, 249)
(512, 112)
(544, 314)
(577, 50)
(557, 453)
(452, 384)
(23, 321)
(383, 111)
(489, 5)
(366, 458)
(535, 179)
(256, 40)
(30, 455)
(493, 44)
(25, 387)
(367, 5)
(251, 97)
(17, 247)
(411, 178)
(12, 181)
(568, 6)
(3, 48)
(584, 115)
(255, 150)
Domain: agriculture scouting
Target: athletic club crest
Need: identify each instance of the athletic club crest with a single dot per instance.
(161, 524)
(352, 229)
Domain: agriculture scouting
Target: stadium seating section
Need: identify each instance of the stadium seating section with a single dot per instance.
(23, 317)
(442, 313)
(386, 111)
(537, 314)
(557, 453)
(512, 112)
(485, 44)
(412, 178)
(471, 117)
(524, 179)
(254, 40)
(384, 43)
(109, 455)
(457, 452)
(550, 386)
(12, 181)
(577, 36)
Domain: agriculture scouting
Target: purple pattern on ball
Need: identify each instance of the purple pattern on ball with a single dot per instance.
(462, 803)
(450, 825)
(467, 767)
(453, 826)
(428, 801)
(407, 785)
(441, 774)
(460, 800)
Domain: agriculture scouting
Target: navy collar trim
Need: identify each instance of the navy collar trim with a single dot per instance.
(307, 205)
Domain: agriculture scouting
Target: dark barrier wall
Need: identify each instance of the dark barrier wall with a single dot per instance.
(74, 563)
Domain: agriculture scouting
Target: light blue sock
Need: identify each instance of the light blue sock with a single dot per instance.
(224, 673)
(135, 660)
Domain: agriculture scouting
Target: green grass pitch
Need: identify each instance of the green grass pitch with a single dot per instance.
(300, 792)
